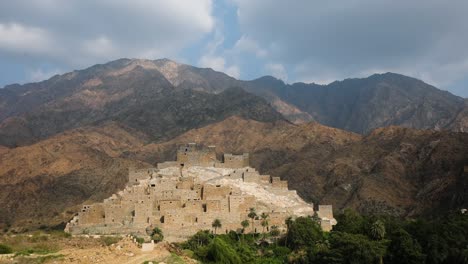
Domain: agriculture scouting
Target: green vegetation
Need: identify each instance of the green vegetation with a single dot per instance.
(38, 260)
(140, 240)
(4, 249)
(216, 224)
(355, 239)
(173, 259)
(157, 235)
(252, 215)
(109, 240)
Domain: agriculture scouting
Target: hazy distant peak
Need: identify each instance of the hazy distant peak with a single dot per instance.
(269, 79)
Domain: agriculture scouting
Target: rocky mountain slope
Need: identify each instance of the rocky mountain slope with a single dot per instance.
(45, 183)
(70, 140)
(361, 105)
(112, 90)
(393, 170)
(124, 91)
(460, 122)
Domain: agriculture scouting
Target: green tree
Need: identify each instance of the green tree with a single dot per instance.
(221, 252)
(252, 214)
(355, 248)
(157, 235)
(275, 232)
(216, 224)
(404, 249)
(303, 232)
(200, 239)
(377, 230)
(264, 222)
(437, 249)
(244, 225)
(288, 221)
(350, 222)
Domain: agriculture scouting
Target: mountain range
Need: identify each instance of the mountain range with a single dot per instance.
(383, 144)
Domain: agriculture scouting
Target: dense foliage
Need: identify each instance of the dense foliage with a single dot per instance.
(157, 235)
(355, 239)
(4, 249)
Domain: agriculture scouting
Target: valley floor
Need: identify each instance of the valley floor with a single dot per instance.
(85, 250)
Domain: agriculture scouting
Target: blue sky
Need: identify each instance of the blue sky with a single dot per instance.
(300, 40)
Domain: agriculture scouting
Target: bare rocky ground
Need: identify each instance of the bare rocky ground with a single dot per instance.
(46, 248)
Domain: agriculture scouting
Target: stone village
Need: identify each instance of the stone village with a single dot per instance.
(184, 196)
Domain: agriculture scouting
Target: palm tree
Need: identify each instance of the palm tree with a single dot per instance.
(377, 230)
(244, 225)
(264, 222)
(288, 221)
(157, 235)
(216, 224)
(252, 214)
(274, 232)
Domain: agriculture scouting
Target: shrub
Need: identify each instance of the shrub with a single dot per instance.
(303, 232)
(60, 234)
(109, 240)
(157, 235)
(221, 252)
(140, 240)
(4, 249)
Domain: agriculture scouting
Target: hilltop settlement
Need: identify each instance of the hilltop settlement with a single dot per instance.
(184, 196)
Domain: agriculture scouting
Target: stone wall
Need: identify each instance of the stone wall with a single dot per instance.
(236, 161)
(194, 155)
(325, 211)
(135, 175)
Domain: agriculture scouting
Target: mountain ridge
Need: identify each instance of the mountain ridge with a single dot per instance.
(355, 104)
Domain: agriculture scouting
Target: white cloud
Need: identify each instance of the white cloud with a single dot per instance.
(246, 44)
(100, 47)
(329, 40)
(214, 62)
(215, 56)
(277, 70)
(90, 31)
(40, 74)
(233, 71)
(18, 38)
(218, 63)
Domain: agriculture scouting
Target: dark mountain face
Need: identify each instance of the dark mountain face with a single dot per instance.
(393, 170)
(133, 93)
(166, 117)
(361, 105)
(358, 105)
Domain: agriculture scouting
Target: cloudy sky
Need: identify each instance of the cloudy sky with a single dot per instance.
(298, 40)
